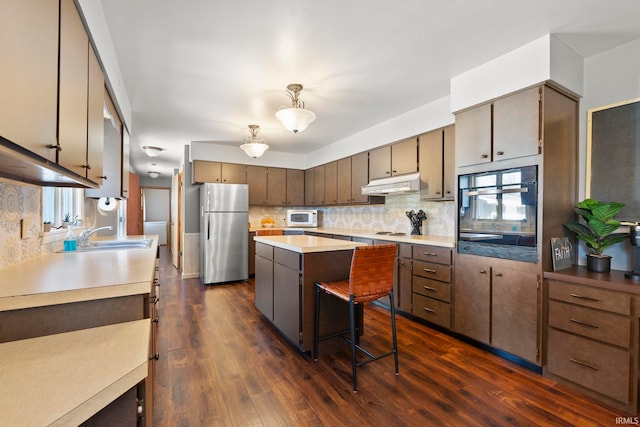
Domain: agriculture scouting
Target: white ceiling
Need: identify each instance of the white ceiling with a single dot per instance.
(202, 70)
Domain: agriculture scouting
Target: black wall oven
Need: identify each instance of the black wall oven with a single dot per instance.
(498, 213)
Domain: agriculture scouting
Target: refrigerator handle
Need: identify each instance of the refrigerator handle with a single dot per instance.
(208, 227)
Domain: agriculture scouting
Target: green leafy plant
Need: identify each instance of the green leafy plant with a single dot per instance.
(598, 228)
(66, 217)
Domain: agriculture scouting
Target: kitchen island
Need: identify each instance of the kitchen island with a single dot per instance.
(287, 268)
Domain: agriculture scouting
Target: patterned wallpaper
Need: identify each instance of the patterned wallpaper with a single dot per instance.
(19, 201)
(388, 217)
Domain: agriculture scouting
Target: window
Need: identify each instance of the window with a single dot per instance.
(57, 202)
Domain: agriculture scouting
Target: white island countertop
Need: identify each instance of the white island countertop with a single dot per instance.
(306, 244)
(63, 379)
(65, 277)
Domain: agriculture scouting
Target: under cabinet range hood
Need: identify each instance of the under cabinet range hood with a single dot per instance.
(409, 183)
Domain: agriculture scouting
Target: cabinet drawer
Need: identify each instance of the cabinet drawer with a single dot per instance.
(287, 258)
(432, 288)
(432, 310)
(265, 251)
(596, 366)
(432, 271)
(600, 325)
(432, 254)
(588, 296)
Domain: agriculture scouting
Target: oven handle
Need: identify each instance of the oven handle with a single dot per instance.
(497, 191)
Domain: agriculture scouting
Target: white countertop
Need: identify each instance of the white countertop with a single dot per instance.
(65, 277)
(433, 240)
(306, 244)
(63, 379)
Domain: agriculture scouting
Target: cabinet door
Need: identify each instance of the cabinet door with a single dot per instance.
(295, 187)
(276, 187)
(448, 163)
(472, 297)
(405, 286)
(359, 177)
(380, 162)
(263, 291)
(431, 164)
(331, 183)
(29, 79)
(95, 124)
(257, 180)
(344, 181)
(309, 187)
(404, 157)
(205, 171)
(516, 125)
(514, 310)
(72, 119)
(473, 136)
(286, 301)
(232, 173)
(318, 173)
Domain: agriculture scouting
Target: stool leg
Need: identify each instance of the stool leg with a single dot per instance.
(352, 321)
(316, 325)
(393, 331)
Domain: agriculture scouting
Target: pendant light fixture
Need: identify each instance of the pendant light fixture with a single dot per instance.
(152, 151)
(254, 147)
(295, 118)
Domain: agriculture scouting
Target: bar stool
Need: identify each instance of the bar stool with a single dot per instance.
(370, 278)
(269, 232)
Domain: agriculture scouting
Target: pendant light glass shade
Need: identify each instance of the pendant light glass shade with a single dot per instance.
(295, 118)
(154, 174)
(254, 147)
(152, 151)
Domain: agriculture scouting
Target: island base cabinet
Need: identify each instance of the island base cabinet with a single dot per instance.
(121, 412)
(286, 301)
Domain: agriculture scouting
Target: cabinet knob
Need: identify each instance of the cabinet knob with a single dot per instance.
(155, 356)
(483, 271)
(56, 147)
(87, 167)
(103, 177)
(500, 153)
(484, 156)
(498, 274)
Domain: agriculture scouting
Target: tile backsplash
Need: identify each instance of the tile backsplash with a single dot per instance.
(388, 217)
(19, 201)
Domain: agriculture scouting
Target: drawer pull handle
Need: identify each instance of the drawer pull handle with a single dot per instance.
(429, 270)
(584, 298)
(429, 288)
(580, 322)
(429, 310)
(429, 254)
(586, 365)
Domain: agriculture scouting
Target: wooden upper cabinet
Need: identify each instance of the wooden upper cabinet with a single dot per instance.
(295, 187)
(276, 187)
(473, 136)
(319, 185)
(344, 181)
(72, 119)
(516, 125)
(437, 169)
(331, 183)
(257, 180)
(233, 173)
(95, 124)
(404, 156)
(380, 162)
(309, 187)
(29, 75)
(359, 177)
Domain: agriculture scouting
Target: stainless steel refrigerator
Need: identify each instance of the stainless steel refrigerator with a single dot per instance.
(224, 232)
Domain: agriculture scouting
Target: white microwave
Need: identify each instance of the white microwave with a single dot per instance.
(302, 218)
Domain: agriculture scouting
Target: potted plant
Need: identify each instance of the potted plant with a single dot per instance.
(597, 231)
(47, 226)
(66, 220)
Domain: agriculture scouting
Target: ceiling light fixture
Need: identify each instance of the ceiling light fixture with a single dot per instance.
(152, 151)
(295, 118)
(254, 147)
(154, 174)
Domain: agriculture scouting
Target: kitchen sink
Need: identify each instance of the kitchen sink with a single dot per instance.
(101, 245)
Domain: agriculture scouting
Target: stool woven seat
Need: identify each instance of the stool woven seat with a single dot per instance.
(370, 278)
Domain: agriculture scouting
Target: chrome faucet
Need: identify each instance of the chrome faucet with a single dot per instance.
(83, 238)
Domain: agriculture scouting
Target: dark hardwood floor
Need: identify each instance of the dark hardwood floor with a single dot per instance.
(223, 364)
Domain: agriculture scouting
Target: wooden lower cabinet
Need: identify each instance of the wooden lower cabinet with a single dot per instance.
(592, 334)
(498, 302)
(431, 287)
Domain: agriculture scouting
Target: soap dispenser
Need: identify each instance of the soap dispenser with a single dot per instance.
(70, 242)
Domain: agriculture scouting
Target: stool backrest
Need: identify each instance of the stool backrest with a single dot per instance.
(268, 232)
(371, 274)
